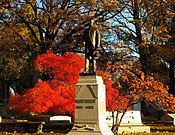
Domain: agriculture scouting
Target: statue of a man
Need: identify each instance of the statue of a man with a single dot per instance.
(91, 37)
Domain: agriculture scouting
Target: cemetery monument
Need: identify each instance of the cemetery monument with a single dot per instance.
(90, 112)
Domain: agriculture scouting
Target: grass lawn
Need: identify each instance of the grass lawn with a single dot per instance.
(54, 133)
(6, 133)
(63, 129)
(157, 133)
(162, 130)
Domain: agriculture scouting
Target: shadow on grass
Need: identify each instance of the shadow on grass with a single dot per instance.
(32, 127)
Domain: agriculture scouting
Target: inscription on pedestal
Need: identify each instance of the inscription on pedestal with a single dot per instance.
(85, 101)
(79, 107)
(85, 107)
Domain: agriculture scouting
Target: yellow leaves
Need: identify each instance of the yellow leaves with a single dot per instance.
(24, 32)
(118, 45)
(124, 78)
(27, 12)
(110, 4)
(14, 67)
(170, 14)
(138, 72)
(165, 1)
(5, 3)
(2, 9)
(93, 1)
(87, 1)
(32, 2)
(142, 76)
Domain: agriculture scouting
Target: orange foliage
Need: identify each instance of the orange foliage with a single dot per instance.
(36, 100)
(56, 95)
(136, 86)
(64, 68)
(114, 101)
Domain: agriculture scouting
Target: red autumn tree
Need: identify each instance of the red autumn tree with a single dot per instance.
(115, 102)
(35, 100)
(55, 95)
(65, 68)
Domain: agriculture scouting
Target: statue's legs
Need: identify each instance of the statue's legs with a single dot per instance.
(90, 65)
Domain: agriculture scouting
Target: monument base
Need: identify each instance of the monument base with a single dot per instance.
(90, 112)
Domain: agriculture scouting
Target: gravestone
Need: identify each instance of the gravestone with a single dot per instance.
(130, 117)
(60, 118)
(151, 110)
(49, 118)
(90, 112)
(137, 106)
(168, 119)
(131, 122)
(134, 107)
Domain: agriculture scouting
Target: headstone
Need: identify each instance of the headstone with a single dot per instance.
(90, 112)
(131, 122)
(152, 110)
(49, 118)
(60, 118)
(130, 118)
(137, 106)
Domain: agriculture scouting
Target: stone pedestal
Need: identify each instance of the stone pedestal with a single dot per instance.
(131, 122)
(90, 112)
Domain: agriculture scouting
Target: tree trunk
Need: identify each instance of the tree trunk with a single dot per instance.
(172, 80)
(171, 68)
(138, 39)
(5, 93)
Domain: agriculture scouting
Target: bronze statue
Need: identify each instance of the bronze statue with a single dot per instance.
(91, 39)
